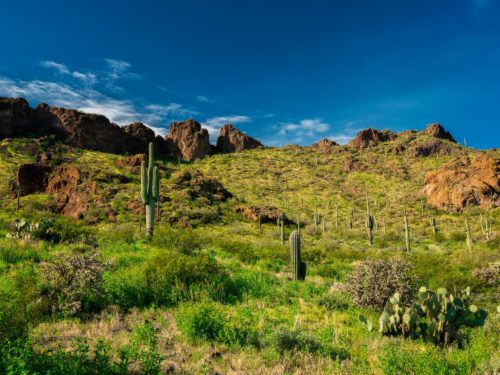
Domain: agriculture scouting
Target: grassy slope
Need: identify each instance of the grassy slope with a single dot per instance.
(299, 181)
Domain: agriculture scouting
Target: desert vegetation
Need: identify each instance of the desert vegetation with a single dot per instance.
(292, 260)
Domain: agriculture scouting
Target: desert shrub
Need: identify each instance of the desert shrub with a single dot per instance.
(73, 284)
(490, 275)
(373, 282)
(334, 301)
(210, 322)
(40, 230)
(286, 340)
(185, 241)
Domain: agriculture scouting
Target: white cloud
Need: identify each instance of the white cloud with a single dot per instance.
(62, 69)
(205, 99)
(304, 128)
(120, 111)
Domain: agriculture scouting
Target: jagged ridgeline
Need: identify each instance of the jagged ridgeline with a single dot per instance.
(393, 228)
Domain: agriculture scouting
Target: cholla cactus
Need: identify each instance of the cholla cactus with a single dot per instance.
(150, 189)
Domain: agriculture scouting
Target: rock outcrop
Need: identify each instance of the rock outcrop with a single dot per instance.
(91, 131)
(459, 185)
(31, 178)
(199, 186)
(324, 145)
(267, 214)
(140, 131)
(371, 137)
(434, 147)
(188, 140)
(437, 131)
(18, 119)
(232, 140)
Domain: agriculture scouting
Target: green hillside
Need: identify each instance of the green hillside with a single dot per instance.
(212, 292)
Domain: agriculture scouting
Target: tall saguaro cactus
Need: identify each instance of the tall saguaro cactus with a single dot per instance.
(150, 189)
(407, 233)
(370, 221)
(298, 267)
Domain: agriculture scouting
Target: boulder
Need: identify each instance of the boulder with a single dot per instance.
(188, 140)
(131, 161)
(91, 131)
(458, 185)
(371, 137)
(437, 131)
(232, 140)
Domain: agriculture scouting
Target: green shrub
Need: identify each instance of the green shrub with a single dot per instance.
(286, 340)
(373, 282)
(334, 301)
(210, 322)
(185, 241)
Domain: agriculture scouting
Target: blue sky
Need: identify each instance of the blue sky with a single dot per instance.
(282, 71)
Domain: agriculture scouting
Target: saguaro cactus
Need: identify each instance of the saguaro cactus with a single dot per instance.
(150, 189)
(434, 227)
(486, 227)
(469, 236)
(298, 267)
(370, 221)
(407, 233)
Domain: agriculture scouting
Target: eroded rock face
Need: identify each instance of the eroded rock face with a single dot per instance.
(31, 178)
(131, 161)
(437, 131)
(91, 131)
(18, 119)
(140, 131)
(188, 140)
(324, 145)
(352, 164)
(371, 137)
(232, 140)
(457, 186)
(433, 148)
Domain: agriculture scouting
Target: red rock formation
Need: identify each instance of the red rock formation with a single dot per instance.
(93, 131)
(437, 131)
(371, 137)
(188, 140)
(232, 140)
(434, 147)
(140, 131)
(31, 178)
(457, 185)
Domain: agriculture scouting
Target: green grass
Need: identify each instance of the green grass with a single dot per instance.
(217, 295)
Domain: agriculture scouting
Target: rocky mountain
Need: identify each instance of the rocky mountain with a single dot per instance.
(188, 140)
(232, 140)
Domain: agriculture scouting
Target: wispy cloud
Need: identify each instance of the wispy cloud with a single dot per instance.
(304, 128)
(205, 99)
(62, 69)
(118, 70)
(120, 111)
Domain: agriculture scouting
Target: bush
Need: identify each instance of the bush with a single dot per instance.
(41, 230)
(210, 322)
(73, 284)
(286, 340)
(489, 275)
(373, 282)
(334, 301)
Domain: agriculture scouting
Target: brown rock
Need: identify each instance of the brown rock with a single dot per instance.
(371, 137)
(92, 131)
(267, 214)
(433, 147)
(457, 186)
(324, 145)
(352, 164)
(140, 131)
(437, 131)
(31, 178)
(199, 186)
(136, 206)
(232, 140)
(71, 199)
(188, 140)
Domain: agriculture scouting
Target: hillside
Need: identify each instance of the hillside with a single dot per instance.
(212, 291)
